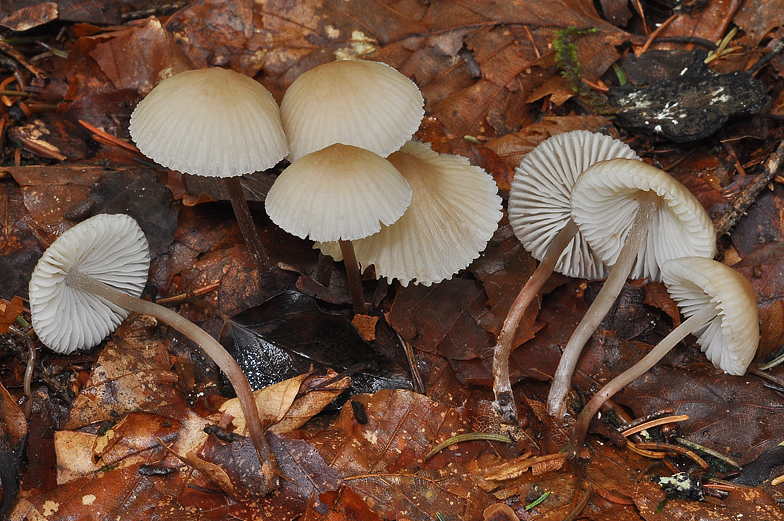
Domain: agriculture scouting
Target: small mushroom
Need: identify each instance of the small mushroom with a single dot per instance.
(721, 307)
(361, 103)
(213, 122)
(635, 217)
(89, 280)
(541, 216)
(454, 211)
(340, 193)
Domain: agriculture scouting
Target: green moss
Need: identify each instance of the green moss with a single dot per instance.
(567, 60)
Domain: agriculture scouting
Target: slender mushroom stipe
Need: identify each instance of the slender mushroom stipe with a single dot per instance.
(722, 308)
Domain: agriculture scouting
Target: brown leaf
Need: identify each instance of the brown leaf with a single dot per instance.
(513, 147)
(9, 311)
(382, 459)
(289, 404)
(30, 16)
(13, 424)
(440, 318)
(729, 414)
(140, 57)
(503, 268)
(743, 503)
(306, 474)
(132, 373)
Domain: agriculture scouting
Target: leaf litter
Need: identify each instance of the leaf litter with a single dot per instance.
(489, 72)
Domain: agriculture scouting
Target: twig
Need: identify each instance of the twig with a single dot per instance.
(748, 194)
(654, 423)
(710, 452)
(658, 31)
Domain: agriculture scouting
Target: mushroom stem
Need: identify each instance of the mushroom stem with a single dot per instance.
(700, 318)
(212, 347)
(601, 305)
(354, 276)
(502, 387)
(245, 220)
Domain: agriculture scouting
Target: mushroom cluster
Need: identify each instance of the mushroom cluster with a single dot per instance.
(614, 214)
(364, 192)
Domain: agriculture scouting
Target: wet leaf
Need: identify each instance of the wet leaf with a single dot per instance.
(132, 373)
(382, 459)
(289, 333)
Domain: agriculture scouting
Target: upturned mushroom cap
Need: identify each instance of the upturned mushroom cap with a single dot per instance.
(730, 340)
(539, 199)
(109, 248)
(361, 103)
(338, 193)
(211, 122)
(605, 202)
(454, 211)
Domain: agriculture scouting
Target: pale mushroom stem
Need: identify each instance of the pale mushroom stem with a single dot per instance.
(601, 305)
(245, 221)
(700, 318)
(502, 387)
(354, 276)
(212, 347)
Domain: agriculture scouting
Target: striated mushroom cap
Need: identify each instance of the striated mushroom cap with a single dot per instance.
(454, 211)
(338, 193)
(730, 340)
(109, 248)
(604, 205)
(539, 199)
(361, 103)
(211, 122)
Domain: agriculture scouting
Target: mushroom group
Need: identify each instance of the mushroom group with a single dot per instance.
(350, 115)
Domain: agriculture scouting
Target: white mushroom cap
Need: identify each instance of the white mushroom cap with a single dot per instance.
(605, 203)
(211, 122)
(109, 248)
(455, 209)
(338, 193)
(730, 340)
(366, 104)
(539, 198)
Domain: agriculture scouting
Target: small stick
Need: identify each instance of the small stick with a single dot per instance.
(748, 195)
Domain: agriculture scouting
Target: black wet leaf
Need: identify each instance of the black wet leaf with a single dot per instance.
(287, 334)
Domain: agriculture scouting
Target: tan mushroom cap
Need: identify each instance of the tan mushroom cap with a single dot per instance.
(211, 122)
(539, 199)
(338, 193)
(361, 103)
(454, 211)
(730, 340)
(109, 248)
(605, 202)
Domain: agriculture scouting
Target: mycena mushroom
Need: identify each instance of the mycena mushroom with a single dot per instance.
(213, 122)
(454, 211)
(360, 103)
(635, 217)
(89, 280)
(340, 193)
(721, 307)
(541, 217)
